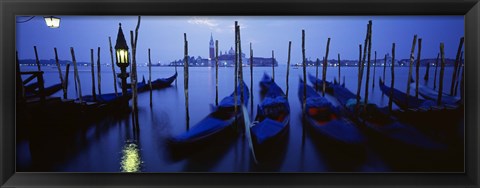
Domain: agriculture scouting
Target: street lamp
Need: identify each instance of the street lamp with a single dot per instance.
(52, 22)
(123, 62)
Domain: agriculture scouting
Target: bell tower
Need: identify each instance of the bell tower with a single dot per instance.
(212, 48)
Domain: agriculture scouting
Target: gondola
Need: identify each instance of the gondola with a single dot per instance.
(431, 94)
(269, 131)
(156, 84)
(103, 104)
(403, 100)
(265, 83)
(318, 83)
(380, 124)
(31, 90)
(219, 125)
(326, 121)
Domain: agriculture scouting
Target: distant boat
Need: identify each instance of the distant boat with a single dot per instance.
(156, 84)
(325, 120)
(270, 128)
(219, 125)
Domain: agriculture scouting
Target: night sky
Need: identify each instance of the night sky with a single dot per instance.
(164, 35)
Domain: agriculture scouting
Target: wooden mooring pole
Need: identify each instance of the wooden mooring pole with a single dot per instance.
(94, 95)
(240, 64)
(134, 76)
(40, 80)
(361, 66)
(185, 79)
(62, 81)
(65, 84)
(410, 67)
(99, 71)
(457, 59)
(150, 76)
(288, 65)
(273, 65)
(385, 66)
(236, 68)
(460, 65)
(304, 73)
(427, 72)
(37, 61)
(339, 65)
(374, 68)
(367, 79)
(77, 77)
(251, 79)
(359, 78)
(113, 67)
(324, 74)
(442, 69)
(417, 67)
(216, 72)
(316, 73)
(435, 75)
(390, 101)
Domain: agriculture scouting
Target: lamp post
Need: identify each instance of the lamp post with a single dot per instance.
(123, 62)
(51, 21)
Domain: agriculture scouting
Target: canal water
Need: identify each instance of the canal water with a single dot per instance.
(110, 145)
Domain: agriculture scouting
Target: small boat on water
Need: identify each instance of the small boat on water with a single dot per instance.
(429, 93)
(104, 103)
(219, 125)
(32, 90)
(325, 120)
(381, 124)
(319, 83)
(269, 131)
(265, 83)
(403, 100)
(156, 84)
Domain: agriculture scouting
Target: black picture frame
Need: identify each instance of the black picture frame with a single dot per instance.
(9, 9)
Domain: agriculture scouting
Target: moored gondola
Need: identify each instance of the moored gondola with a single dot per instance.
(326, 121)
(429, 93)
(403, 100)
(32, 90)
(219, 125)
(376, 120)
(269, 131)
(156, 84)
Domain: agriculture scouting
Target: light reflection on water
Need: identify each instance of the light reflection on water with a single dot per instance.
(103, 144)
(131, 159)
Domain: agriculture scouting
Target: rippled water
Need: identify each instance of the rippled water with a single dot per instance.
(111, 145)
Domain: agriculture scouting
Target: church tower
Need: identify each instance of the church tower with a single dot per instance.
(212, 48)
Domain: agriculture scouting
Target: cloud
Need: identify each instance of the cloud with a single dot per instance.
(203, 21)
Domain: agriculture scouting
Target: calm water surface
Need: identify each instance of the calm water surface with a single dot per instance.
(105, 144)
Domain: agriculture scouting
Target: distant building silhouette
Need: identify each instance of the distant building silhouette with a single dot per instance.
(226, 58)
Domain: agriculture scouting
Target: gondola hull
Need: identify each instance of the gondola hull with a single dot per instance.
(223, 123)
(271, 125)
